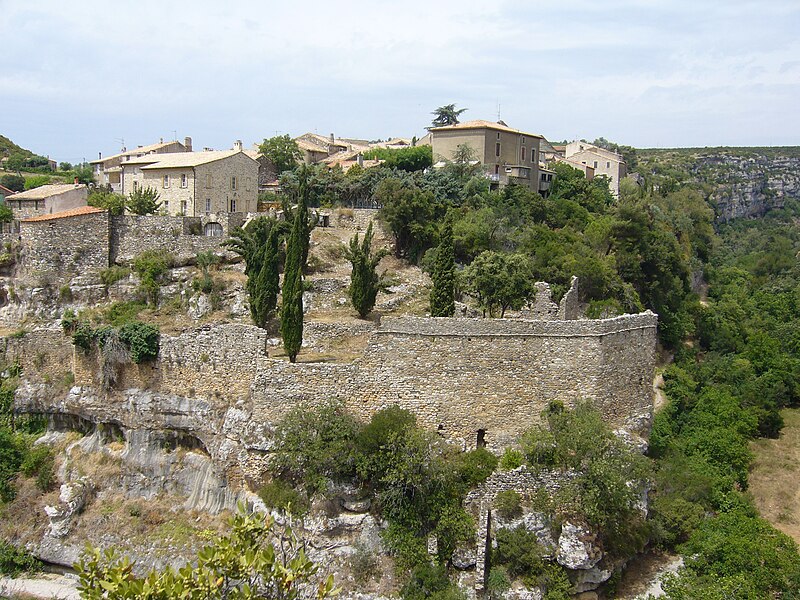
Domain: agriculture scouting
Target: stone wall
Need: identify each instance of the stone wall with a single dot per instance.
(59, 247)
(183, 237)
(475, 381)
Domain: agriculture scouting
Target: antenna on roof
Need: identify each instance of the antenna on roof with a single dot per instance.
(498, 111)
(174, 135)
(121, 142)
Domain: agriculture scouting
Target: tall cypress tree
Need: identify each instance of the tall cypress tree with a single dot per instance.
(264, 293)
(444, 274)
(364, 280)
(292, 293)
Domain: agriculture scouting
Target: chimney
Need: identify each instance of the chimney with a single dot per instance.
(333, 139)
(237, 145)
(161, 140)
(99, 156)
(187, 142)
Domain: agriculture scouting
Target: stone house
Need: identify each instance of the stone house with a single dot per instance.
(507, 155)
(108, 171)
(604, 162)
(196, 183)
(47, 199)
(5, 193)
(317, 148)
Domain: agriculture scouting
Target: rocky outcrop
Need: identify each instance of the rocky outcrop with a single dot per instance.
(72, 499)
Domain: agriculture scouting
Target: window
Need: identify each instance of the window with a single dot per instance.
(212, 229)
(497, 169)
(233, 205)
(208, 204)
(233, 182)
(497, 149)
(166, 181)
(480, 441)
(135, 185)
(498, 135)
(184, 180)
(595, 164)
(209, 181)
(183, 207)
(522, 159)
(533, 155)
(608, 165)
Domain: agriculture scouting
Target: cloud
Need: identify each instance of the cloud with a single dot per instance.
(245, 69)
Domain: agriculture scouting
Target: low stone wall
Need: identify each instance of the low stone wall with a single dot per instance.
(183, 237)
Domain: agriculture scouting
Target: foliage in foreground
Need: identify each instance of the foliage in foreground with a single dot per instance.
(254, 560)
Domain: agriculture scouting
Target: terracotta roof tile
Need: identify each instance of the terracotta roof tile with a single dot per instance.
(64, 214)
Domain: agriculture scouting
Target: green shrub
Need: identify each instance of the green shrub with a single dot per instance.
(282, 496)
(674, 519)
(151, 266)
(474, 467)
(498, 583)
(520, 552)
(36, 181)
(122, 313)
(511, 459)
(314, 445)
(430, 581)
(14, 561)
(69, 321)
(65, 293)
(36, 458)
(508, 503)
(84, 336)
(113, 274)
(142, 340)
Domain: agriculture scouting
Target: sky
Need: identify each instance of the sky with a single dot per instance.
(78, 77)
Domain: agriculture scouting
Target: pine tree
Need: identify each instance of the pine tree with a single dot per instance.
(292, 293)
(444, 274)
(364, 280)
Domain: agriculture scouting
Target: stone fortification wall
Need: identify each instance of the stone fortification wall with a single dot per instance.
(183, 237)
(59, 247)
(475, 381)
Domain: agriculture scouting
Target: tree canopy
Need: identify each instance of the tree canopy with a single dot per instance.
(446, 115)
(282, 151)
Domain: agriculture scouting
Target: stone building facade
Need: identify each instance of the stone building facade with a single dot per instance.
(108, 171)
(507, 155)
(47, 199)
(604, 162)
(196, 183)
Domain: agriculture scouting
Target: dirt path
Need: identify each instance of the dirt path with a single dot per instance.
(49, 587)
(642, 578)
(775, 476)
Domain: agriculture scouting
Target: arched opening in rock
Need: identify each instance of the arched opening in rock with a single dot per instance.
(171, 440)
(212, 230)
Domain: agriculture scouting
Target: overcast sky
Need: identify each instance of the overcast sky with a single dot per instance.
(77, 77)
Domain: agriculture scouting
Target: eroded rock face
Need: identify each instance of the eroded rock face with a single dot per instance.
(576, 548)
(72, 499)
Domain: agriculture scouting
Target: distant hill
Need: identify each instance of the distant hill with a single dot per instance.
(739, 181)
(7, 147)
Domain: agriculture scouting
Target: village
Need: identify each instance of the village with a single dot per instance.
(202, 183)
